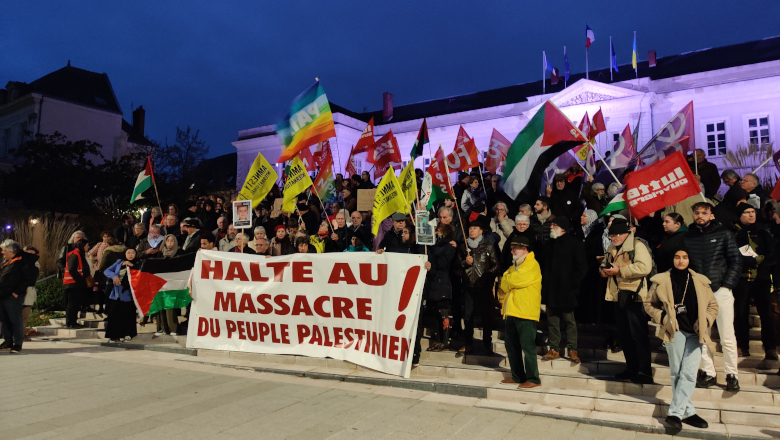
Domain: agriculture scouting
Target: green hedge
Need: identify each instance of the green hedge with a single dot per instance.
(51, 295)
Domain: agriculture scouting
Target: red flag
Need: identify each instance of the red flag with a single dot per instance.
(581, 151)
(307, 159)
(465, 154)
(366, 140)
(598, 125)
(624, 150)
(499, 145)
(440, 174)
(385, 154)
(671, 138)
(322, 153)
(776, 191)
(664, 183)
(351, 168)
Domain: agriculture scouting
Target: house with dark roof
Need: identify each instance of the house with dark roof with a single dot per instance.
(75, 102)
(735, 91)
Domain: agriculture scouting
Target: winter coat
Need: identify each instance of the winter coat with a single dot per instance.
(757, 236)
(592, 201)
(504, 229)
(713, 252)
(120, 293)
(482, 273)
(660, 299)
(283, 247)
(565, 203)
(438, 285)
(563, 269)
(18, 274)
(664, 252)
(632, 272)
(506, 252)
(247, 250)
(710, 177)
(145, 245)
(336, 245)
(522, 286)
(192, 242)
(350, 204)
(111, 254)
(392, 241)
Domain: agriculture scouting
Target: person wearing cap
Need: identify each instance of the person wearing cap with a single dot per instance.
(281, 243)
(681, 302)
(755, 283)
(521, 289)
(192, 242)
(627, 262)
(563, 269)
(713, 252)
(480, 266)
(393, 239)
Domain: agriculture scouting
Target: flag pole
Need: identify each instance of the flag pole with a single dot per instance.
(610, 59)
(159, 204)
(636, 69)
(587, 73)
(759, 167)
(564, 73)
(338, 154)
(608, 168)
(544, 74)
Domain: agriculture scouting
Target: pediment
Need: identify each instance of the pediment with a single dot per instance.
(586, 91)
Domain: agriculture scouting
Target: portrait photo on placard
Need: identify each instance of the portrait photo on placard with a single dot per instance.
(241, 214)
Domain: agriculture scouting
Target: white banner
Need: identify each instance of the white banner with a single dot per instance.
(358, 307)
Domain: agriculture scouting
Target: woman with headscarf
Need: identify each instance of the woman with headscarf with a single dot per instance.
(121, 317)
(681, 302)
(167, 320)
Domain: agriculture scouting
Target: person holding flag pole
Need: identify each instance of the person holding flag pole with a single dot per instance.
(143, 182)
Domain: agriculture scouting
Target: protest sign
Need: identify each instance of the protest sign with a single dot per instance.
(662, 184)
(358, 307)
(276, 211)
(365, 199)
(241, 214)
(425, 233)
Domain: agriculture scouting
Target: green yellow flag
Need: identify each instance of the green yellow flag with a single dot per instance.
(408, 182)
(388, 200)
(297, 182)
(259, 181)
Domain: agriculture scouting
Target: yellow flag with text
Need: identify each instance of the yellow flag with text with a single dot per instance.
(408, 181)
(297, 181)
(259, 181)
(388, 200)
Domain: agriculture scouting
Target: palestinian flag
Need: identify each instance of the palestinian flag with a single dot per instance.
(618, 203)
(161, 283)
(144, 181)
(436, 184)
(309, 122)
(422, 139)
(548, 135)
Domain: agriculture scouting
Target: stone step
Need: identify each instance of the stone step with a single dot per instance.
(89, 323)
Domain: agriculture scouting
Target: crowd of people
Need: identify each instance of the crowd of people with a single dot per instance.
(497, 263)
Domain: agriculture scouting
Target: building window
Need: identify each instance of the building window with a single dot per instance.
(758, 130)
(426, 163)
(615, 137)
(22, 133)
(716, 139)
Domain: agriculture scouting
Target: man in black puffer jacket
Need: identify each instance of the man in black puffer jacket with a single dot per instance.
(713, 252)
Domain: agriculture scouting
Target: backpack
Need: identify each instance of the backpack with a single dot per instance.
(653, 269)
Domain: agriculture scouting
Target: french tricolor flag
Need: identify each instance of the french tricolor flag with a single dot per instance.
(589, 37)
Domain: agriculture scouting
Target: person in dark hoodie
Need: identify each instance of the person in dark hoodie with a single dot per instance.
(564, 200)
(675, 229)
(754, 283)
(208, 217)
(726, 211)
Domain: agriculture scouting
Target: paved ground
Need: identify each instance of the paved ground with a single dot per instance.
(69, 391)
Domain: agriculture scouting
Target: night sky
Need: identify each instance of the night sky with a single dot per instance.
(225, 66)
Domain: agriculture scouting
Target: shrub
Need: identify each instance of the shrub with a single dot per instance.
(51, 295)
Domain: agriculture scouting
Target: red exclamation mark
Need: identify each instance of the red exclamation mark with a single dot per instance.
(406, 294)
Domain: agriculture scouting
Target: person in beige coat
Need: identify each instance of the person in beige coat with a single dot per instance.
(502, 224)
(627, 263)
(681, 302)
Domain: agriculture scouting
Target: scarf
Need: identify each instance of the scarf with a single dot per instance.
(475, 242)
(169, 253)
(154, 242)
(543, 218)
(592, 216)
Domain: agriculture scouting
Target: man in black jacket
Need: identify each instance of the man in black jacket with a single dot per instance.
(713, 252)
(755, 283)
(194, 233)
(392, 241)
(563, 269)
(335, 241)
(357, 223)
(708, 172)
(125, 230)
(480, 266)
(17, 273)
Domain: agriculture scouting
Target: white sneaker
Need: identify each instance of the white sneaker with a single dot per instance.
(173, 334)
(128, 338)
(158, 333)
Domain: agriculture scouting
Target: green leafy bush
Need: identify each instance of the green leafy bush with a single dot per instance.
(51, 295)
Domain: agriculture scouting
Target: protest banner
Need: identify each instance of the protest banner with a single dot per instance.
(662, 184)
(362, 308)
(365, 199)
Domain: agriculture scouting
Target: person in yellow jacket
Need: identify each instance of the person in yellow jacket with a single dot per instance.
(521, 289)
